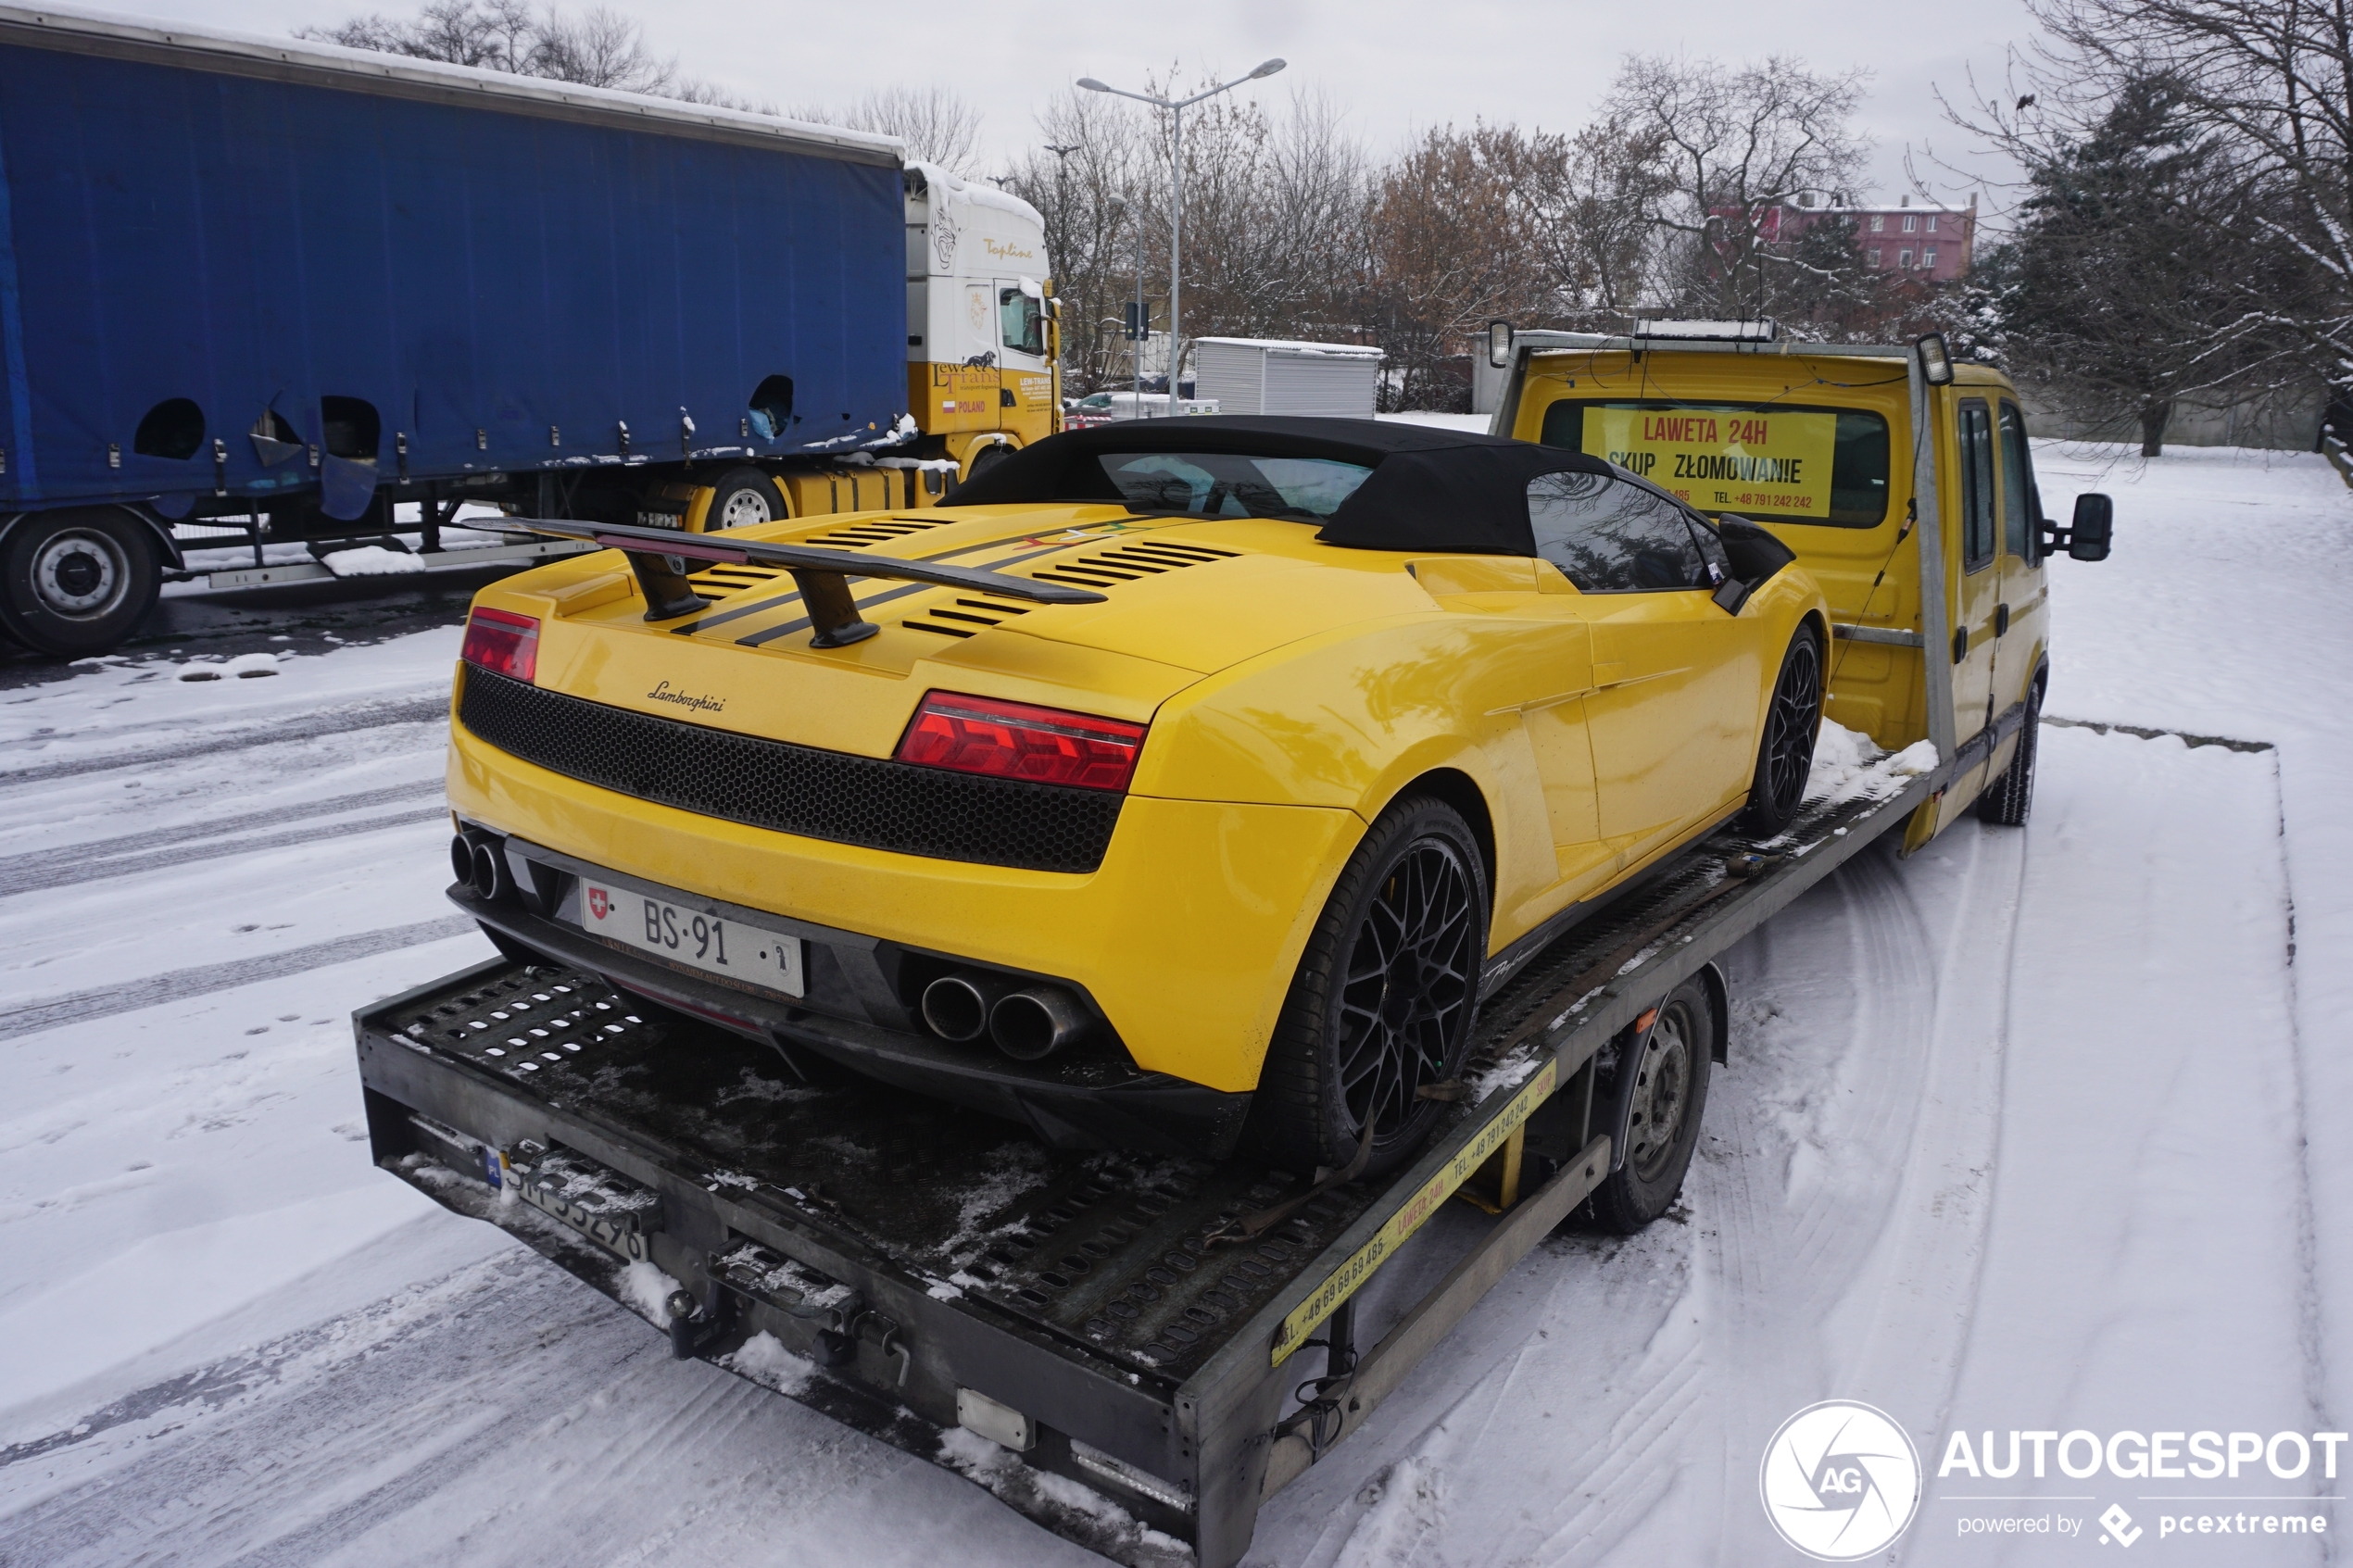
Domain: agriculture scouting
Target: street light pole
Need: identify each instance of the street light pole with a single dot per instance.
(1177, 107)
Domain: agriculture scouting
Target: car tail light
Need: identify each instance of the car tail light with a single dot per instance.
(502, 642)
(1012, 740)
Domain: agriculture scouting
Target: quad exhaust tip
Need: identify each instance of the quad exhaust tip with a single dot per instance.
(957, 1006)
(480, 863)
(1034, 1024)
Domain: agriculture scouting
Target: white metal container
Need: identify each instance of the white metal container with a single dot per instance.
(1266, 376)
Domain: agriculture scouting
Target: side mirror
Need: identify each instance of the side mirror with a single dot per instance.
(2086, 537)
(1498, 344)
(2095, 521)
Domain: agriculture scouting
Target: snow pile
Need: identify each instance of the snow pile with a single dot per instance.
(765, 1359)
(647, 1289)
(244, 667)
(371, 560)
(1848, 766)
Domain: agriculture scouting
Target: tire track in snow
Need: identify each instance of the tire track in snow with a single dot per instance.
(331, 721)
(135, 863)
(180, 984)
(506, 1415)
(1798, 1184)
(41, 862)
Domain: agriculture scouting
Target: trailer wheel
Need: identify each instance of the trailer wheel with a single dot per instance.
(1382, 1001)
(742, 499)
(1785, 753)
(1658, 1092)
(78, 583)
(2007, 799)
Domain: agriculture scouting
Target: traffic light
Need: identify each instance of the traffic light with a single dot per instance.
(1136, 322)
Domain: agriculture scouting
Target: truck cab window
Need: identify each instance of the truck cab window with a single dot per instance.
(1977, 485)
(2019, 533)
(1610, 537)
(1023, 319)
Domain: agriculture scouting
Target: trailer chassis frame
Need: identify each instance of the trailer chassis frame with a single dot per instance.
(891, 1340)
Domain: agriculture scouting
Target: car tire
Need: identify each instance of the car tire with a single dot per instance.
(742, 499)
(2006, 801)
(78, 583)
(1785, 751)
(1657, 1094)
(1382, 1001)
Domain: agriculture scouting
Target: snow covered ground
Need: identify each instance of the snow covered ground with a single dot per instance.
(2036, 1130)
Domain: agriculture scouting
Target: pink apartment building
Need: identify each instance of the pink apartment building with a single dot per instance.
(1915, 240)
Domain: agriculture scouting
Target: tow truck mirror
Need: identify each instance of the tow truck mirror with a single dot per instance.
(2095, 521)
(1498, 344)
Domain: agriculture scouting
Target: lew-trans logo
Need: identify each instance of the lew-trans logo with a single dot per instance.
(1840, 1480)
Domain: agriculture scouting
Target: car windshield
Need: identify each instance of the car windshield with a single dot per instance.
(1219, 485)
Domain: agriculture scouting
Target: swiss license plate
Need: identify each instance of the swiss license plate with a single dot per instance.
(714, 944)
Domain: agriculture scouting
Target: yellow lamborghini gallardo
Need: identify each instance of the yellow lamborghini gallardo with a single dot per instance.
(1172, 785)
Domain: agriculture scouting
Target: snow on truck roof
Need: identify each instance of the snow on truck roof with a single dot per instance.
(978, 195)
(365, 70)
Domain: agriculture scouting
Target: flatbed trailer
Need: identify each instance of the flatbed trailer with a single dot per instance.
(941, 1280)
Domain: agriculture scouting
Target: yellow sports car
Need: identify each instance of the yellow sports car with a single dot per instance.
(1174, 783)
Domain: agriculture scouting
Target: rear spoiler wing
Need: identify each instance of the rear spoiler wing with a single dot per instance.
(659, 555)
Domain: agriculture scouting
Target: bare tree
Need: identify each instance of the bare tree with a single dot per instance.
(2266, 86)
(1736, 144)
(1087, 179)
(1273, 221)
(1587, 201)
(937, 124)
(1451, 250)
(2127, 284)
(598, 47)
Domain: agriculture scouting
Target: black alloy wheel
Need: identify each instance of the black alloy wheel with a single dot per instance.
(1785, 754)
(1658, 1090)
(1381, 1006)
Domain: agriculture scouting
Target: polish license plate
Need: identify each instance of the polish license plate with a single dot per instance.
(713, 944)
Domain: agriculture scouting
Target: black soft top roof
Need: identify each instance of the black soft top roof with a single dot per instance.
(1429, 489)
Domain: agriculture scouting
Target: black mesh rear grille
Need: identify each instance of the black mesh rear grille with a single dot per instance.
(797, 789)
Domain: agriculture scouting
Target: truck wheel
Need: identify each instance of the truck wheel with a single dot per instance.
(1657, 1095)
(1785, 754)
(1382, 1001)
(78, 583)
(2007, 799)
(742, 499)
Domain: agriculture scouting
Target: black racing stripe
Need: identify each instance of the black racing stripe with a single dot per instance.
(790, 627)
(739, 611)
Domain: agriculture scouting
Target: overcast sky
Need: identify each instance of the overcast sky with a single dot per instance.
(1395, 65)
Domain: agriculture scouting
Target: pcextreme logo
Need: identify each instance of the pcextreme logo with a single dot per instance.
(1840, 1481)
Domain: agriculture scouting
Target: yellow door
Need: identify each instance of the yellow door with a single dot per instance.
(2023, 612)
(1976, 592)
(1677, 681)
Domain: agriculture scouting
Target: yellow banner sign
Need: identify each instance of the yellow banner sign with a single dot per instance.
(1408, 1218)
(1723, 459)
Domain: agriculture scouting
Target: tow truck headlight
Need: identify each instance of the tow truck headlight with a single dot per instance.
(503, 643)
(1014, 740)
